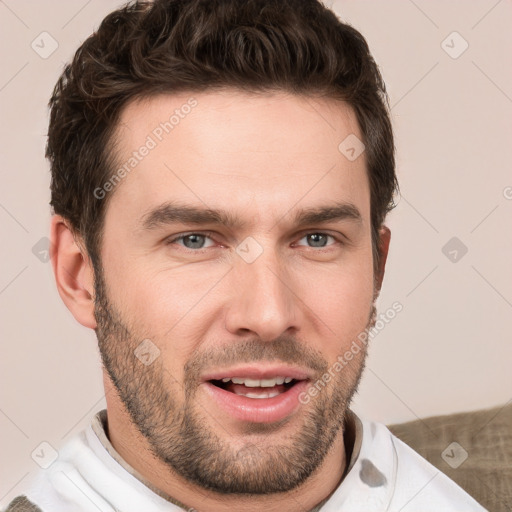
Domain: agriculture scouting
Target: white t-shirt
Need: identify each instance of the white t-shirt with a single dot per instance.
(383, 474)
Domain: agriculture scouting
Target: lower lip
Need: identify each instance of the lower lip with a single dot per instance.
(257, 410)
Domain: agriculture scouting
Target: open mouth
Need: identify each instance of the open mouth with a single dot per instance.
(255, 388)
(255, 393)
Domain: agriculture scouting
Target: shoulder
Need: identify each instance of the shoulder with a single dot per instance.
(53, 488)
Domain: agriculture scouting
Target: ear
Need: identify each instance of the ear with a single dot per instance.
(74, 274)
(384, 240)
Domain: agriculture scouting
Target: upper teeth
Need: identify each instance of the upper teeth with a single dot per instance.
(263, 383)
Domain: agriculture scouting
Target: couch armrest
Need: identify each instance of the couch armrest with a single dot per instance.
(486, 436)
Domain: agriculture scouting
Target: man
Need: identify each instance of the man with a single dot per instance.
(221, 173)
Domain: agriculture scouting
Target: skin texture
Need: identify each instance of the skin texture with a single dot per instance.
(301, 302)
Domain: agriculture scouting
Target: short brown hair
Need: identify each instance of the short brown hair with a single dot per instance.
(168, 46)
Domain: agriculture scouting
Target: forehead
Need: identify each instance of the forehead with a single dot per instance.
(260, 153)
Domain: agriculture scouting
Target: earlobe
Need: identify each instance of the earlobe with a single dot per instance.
(384, 240)
(73, 272)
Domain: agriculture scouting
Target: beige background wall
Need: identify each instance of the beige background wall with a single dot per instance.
(448, 350)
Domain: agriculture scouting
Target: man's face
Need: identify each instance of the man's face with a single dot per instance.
(268, 296)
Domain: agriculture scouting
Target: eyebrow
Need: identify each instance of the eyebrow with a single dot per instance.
(173, 213)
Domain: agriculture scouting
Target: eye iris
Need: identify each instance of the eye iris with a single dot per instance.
(197, 241)
(318, 238)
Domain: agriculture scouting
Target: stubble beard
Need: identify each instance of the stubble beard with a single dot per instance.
(196, 445)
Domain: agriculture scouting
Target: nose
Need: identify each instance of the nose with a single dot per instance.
(263, 301)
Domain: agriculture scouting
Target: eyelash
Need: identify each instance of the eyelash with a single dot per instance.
(208, 234)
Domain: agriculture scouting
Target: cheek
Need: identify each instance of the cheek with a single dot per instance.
(341, 298)
(168, 306)
(177, 307)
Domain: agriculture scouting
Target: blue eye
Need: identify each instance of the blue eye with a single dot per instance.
(198, 241)
(318, 239)
(192, 240)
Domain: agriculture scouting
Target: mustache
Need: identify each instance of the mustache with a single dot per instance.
(285, 349)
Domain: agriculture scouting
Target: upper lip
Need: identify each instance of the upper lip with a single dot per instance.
(258, 372)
